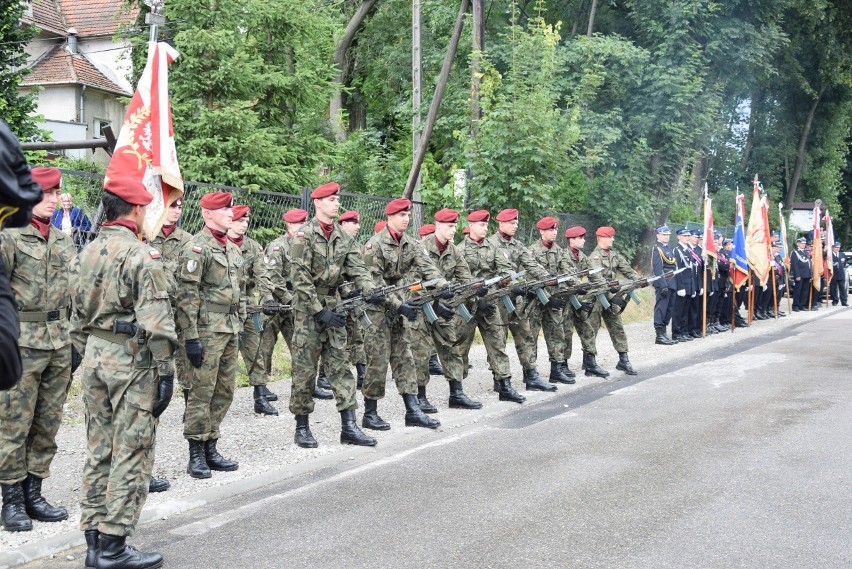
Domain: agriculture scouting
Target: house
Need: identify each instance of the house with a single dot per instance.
(79, 69)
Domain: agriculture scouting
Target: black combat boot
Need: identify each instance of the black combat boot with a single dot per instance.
(458, 398)
(197, 467)
(414, 416)
(322, 394)
(740, 321)
(14, 513)
(350, 434)
(322, 380)
(508, 393)
(270, 396)
(261, 403)
(425, 406)
(625, 365)
(591, 366)
(534, 381)
(303, 436)
(435, 367)
(158, 485)
(662, 337)
(361, 372)
(557, 374)
(371, 419)
(496, 384)
(116, 554)
(93, 539)
(37, 506)
(563, 365)
(216, 461)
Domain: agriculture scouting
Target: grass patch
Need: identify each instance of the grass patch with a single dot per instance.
(282, 365)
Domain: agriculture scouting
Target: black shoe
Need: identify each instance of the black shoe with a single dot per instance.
(683, 338)
(458, 399)
(567, 370)
(116, 554)
(156, 485)
(414, 416)
(270, 396)
(14, 513)
(696, 334)
(557, 374)
(322, 380)
(261, 403)
(425, 406)
(625, 365)
(435, 367)
(591, 366)
(37, 507)
(93, 539)
(216, 461)
(508, 393)
(322, 394)
(303, 436)
(197, 467)
(371, 419)
(361, 370)
(350, 434)
(663, 339)
(534, 383)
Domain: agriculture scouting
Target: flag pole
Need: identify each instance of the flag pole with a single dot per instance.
(786, 267)
(733, 307)
(774, 291)
(706, 257)
(155, 17)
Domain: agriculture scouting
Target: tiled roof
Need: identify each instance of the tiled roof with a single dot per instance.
(88, 17)
(46, 15)
(58, 67)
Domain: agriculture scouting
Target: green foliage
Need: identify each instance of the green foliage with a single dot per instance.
(15, 108)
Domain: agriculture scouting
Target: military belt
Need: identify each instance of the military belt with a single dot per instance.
(49, 316)
(326, 291)
(217, 308)
(109, 336)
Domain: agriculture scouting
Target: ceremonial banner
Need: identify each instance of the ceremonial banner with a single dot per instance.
(709, 241)
(739, 261)
(829, 247)
(816, 260)
(785, 250)
(145, 149)
(757, 238)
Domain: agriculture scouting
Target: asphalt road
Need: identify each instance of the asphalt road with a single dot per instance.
(734, 459)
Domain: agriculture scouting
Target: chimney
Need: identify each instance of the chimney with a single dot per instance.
(71, 42)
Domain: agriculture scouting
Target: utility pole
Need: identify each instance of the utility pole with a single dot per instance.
(155, 17)
(416, 87)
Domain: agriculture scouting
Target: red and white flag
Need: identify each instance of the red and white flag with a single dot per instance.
(829, 247)
(709, 231)
(817, 257)
(145, 149)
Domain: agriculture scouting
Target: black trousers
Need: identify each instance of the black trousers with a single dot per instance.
(801, 293)
(839, 292)
(663, 307)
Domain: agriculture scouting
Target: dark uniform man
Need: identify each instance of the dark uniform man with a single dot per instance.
(125, 330)
(800, 274)
(839, 290)
(41, 263)
(350, 222)
(696, 305)
(322, 257)
(712, 269)
(726, 289)
(210, 313)
(686, 291)
(780, 279)
(663, 260)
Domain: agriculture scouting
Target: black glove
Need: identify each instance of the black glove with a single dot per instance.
(586, 307)
(194, 352)
(352, 294)
(531, 294)
(268, 309)
(76, 359)
(486, 308)
(617, 304)
(408, 311)
(375, 299)
(555, 303)
(664, 292)
(164, 394)
(443, 310)
(614, 289)
(519, 291)
(580, 291)
(482, 291)
(329, 319)
(446, 294)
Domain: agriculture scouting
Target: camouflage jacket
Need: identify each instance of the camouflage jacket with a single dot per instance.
(122, 279)
(520, 257)
(210, 281)
(484, 259)
(278, 269)
(451, 263)
(581, 263)
(170, 248)
(255, 272)
(318, 265)
(613, 264)
(40, 274)
(554, 260)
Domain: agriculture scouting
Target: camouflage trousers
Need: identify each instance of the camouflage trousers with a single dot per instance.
(31, 412)
(355, 341)
(572, 321)
(613, 326)
(441, 337)
(250, 349)
(519, 325)
(493, 333)
(182, 367)
(120, 430)
(212, 387)
(388, 343)
(278, 324)
(309, 345)
(554, 334)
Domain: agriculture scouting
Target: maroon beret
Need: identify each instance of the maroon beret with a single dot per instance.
(575, 231)
(397, 205)
(605, 231)
(478, 215)
(427, 229)
(240, 211)
(216, 200)
(47, 178)
(507, 215)
(447, 216)
(350, 215)
(130, 190)
(379, 226)
(295, 216)
(546, 223)
(325, 190)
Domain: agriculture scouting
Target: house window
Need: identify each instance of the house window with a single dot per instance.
(100, 124)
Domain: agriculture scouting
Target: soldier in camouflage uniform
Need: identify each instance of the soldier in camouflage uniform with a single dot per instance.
(579, 319)
(322, 257)
(422, 348)
(350, 222)
(486, 261)
(258, 286)
(40, 261)
(613, 264)
(435, 368)
(125, 329)
(211, 309)
(392, 258)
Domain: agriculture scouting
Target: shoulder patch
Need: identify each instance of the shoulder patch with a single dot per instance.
(154, 253)
(196, 249)
(368, 246)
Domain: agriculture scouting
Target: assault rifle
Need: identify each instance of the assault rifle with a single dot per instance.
(461, 293)
(269, 308)
(628, 290)
(357, 304)
(537, 287)
(504, 294)
(471, 289)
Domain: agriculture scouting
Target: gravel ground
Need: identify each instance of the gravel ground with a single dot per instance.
(262, 444)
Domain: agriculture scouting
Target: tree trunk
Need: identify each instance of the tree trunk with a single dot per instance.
(699, 179)
(802, 151)
(756, 103)
(592, 12)
(478, 48)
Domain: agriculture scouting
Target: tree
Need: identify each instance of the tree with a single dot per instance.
(15, 108)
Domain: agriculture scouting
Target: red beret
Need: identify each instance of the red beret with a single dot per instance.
(478, 215)
(47, 178)
(350, 215)
(216, 200)
(397, 205)
(130, 190)
(605, 231)
(240, 211)
(427, 229)
(447, 216)
(325, 190)
(466, 231)
(575, 231)
(547, 223)
(507, 215)
(295, 216)
(379, 226)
